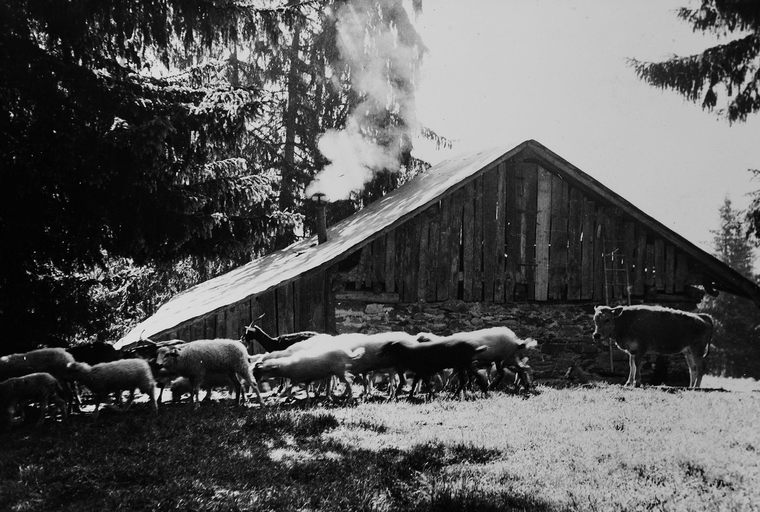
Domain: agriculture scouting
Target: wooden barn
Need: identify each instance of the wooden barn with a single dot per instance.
(499, 228)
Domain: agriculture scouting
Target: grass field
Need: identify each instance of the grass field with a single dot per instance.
(598, 448)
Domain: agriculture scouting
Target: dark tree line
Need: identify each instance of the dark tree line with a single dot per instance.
(149, 145)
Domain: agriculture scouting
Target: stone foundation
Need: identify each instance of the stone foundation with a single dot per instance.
(563, 332)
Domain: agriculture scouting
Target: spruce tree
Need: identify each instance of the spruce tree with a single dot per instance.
(737, 319)
(730, 69)
(158, 134)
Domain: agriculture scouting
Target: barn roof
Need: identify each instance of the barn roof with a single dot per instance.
(377, 218)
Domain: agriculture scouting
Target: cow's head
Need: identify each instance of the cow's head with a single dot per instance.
(604, 321)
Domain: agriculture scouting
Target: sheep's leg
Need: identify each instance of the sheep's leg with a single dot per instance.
(522, 378)
(62, 406)
(428, 382)
(348, 393)
(152, 394)
(249, 379)
(99, 399)
(500, 373)
(480, 381)
(43, 411)
(130, 399)
(195, 386)
(462, 376)
(414, 386)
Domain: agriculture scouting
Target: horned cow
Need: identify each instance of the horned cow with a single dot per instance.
(637, 330)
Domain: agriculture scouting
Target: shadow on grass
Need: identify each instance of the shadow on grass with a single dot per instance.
(218, 457)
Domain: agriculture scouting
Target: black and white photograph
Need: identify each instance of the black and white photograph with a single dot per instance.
(380, 255)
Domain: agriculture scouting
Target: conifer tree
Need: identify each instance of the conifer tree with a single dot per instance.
(737, 319)
(157, 132)
(730, 69)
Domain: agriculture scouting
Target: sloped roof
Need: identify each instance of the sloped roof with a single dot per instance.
(287, 264)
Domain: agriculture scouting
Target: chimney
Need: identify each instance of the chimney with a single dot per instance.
(321, 216)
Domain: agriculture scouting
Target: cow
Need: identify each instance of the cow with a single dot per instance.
(637, 330)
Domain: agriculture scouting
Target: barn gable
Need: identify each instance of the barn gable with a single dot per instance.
(497, 226)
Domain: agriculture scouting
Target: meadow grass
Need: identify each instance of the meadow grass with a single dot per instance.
(592, 448)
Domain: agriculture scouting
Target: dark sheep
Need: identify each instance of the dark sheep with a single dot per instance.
(94, 353)
(426, 359)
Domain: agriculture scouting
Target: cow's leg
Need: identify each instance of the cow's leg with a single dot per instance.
(639, 363)
(691, 362)
(699, 366)
(631, 370)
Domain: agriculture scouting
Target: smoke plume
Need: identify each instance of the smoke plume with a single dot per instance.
(377, 40)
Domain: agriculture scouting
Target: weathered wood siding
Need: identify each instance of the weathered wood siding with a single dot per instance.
(518, 232)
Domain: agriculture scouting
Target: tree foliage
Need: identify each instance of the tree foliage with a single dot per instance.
(138, 136)
(737, 319)
(731, 69)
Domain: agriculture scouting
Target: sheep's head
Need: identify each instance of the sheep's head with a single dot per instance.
(77, 369)
(167, 357)
(424, 337)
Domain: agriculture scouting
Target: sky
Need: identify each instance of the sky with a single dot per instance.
(504, 71)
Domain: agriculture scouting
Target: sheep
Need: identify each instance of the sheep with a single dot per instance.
(115, 377)
(311, 364)
(181, 385)
(197, 358)
(505, 349)
(50, 360)
(148, 349)
(39, 387)
(94, 353)
(425, 359)
(373, 359)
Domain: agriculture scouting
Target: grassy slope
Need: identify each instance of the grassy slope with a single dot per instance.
(604, 448)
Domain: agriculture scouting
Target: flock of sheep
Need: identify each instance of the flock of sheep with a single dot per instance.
(51, 375)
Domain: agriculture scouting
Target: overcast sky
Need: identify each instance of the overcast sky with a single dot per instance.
(501, 72)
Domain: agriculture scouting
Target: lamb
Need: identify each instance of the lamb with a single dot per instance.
(115, 377)
(197, 358)
(425, 359)
(39, 387)
(181, 385)
(308, 365)
(505, 349)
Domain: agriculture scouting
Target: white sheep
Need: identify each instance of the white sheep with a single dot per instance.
(181, 385)
(196, 359)
(505, 349)
(49, 360)
(34, 387)
(307, 365)
(115, 377)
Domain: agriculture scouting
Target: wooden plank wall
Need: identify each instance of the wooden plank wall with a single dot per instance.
(517, 232)
(520, 232)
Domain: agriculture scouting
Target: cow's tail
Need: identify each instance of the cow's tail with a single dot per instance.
(711, 325)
